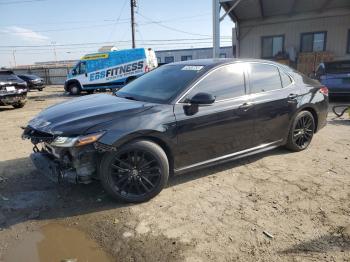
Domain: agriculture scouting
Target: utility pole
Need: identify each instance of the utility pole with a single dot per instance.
(14, 57)
(132, 5)
(54, 51)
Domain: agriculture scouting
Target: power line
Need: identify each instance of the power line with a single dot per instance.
(27, 51)
(116, 22)
(101, 43)
(169, 27)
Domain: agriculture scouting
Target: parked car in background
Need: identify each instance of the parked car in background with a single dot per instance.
(336, 76)
(177, 118)
(109, 70)
(33, 81)
(13, 90)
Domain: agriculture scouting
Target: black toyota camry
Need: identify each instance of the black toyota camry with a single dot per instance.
(177, 118)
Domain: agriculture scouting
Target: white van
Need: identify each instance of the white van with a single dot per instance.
(109, 70)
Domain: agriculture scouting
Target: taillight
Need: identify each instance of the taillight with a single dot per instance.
(324, 90)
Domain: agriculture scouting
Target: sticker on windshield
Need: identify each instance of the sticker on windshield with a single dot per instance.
(192, 68)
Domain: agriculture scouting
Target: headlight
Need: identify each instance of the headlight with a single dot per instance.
(62, 141)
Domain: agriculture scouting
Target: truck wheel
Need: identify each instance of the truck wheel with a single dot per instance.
(19, 104)
(90, 91)
(40, 89)
(301, 132)
(135, 173)
(74, 89)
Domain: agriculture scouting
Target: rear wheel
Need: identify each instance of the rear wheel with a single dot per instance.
(40, 89)
(19, 104)
(74, 89)
(301, 132)
(136, 172)
(90, 91)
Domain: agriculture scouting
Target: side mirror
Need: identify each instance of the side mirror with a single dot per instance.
(74, 72)
(202, 99)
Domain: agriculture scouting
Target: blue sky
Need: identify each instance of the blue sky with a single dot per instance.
(79, 27)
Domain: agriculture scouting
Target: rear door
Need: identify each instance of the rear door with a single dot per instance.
(210, 131)
(274, 98)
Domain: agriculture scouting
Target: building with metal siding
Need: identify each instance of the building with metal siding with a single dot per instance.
(294, 26)
(176, 55)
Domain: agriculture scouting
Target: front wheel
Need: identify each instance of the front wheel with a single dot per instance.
(135, 173)
(301, 132)
(74, 89)
(19, 104)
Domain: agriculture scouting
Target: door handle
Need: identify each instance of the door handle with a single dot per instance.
(245, 106)
(292, 96)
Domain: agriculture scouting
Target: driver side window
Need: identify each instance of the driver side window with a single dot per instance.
(82, 68)
(224, 82)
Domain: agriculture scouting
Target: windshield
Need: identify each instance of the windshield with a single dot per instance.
(31, 77)
(162, 84)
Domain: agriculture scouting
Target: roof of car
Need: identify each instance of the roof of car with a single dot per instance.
(213, 62)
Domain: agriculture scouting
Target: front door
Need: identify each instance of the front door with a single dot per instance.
(224, 127)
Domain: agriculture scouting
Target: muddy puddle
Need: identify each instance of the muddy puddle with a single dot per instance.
(56, 243)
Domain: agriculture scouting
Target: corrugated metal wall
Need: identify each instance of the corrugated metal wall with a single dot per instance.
(51, 76)
(336, 23)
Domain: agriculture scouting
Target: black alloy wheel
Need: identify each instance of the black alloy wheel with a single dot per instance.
(135, 173)
(302, 131)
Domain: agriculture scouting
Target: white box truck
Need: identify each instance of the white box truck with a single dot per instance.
(109, 70)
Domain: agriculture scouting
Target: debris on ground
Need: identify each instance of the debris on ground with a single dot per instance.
(268, 234)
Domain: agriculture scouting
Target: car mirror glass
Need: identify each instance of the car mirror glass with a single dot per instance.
(202, 99)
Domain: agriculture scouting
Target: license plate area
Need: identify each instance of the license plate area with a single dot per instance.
(10, 88)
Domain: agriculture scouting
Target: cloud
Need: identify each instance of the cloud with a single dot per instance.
(25, 34)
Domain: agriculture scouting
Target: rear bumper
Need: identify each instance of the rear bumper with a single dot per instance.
(36, 86)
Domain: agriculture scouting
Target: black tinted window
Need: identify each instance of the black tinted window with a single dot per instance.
(286, 81)
(264, 78)
(223, 83)
(162, 84)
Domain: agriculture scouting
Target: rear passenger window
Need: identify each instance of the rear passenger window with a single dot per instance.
(223, 83)
(264, 78)
(286, 81)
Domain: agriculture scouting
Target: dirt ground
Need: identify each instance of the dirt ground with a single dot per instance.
(300, 200)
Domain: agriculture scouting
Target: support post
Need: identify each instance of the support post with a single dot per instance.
(216, 28)
(132, 5)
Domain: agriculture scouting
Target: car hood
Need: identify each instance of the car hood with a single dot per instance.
(76, 116)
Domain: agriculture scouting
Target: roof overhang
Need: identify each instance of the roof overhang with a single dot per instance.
(245, 10)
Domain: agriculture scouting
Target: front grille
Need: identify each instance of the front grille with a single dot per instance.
(37, 136)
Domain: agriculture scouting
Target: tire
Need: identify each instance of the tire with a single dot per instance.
(123, 181)
(74, 89)
(40, 89)
(90, 91)
(301, 131)
(19, 104)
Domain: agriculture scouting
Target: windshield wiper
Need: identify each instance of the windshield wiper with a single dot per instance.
(130, 98)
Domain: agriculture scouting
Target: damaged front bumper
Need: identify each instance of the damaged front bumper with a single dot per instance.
(64, 164)
(59, 172)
